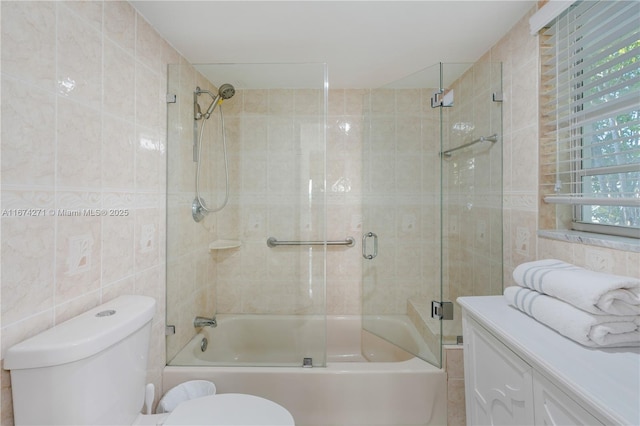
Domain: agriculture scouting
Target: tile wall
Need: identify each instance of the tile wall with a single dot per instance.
(277, 160)
(190, 272)
(83, 130)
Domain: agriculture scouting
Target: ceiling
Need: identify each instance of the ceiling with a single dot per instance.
(365, 44)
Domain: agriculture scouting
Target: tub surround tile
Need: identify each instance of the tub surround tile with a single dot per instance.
(456, 415)
(255, 101)
(454, 366)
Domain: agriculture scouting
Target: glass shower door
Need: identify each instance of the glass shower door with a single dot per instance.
(432, 203)
(401, 214)
(269, 301)
(472, 184)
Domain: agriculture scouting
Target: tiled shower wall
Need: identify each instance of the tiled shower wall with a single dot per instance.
(190, 272)
(83, 129)
(274, 139)
(276, 148)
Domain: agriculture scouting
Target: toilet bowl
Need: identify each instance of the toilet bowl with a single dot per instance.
(228, 409)
(91, 370)
(231, 409)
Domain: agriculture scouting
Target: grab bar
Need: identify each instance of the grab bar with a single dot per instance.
(493, 138)
(273, 242)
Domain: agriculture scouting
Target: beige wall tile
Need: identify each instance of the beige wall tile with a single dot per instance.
(119, 81)
(79, 145)
(120, 24)
(79, 151)
(29, 27)
(79, 59)
(28, 285)
(28, 135)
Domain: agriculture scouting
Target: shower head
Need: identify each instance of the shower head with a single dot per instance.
(226, 91)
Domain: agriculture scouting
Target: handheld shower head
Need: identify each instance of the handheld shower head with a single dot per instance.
(226, 91)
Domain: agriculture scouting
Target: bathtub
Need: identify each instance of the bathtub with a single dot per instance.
(366, 380)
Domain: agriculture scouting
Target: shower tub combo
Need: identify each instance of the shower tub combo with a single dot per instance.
(366, 380)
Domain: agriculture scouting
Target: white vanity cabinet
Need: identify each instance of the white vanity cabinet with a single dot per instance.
(554, 407)
(499, 385)
(520, 372)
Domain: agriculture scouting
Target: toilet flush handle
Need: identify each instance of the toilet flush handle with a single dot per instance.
(149, 395)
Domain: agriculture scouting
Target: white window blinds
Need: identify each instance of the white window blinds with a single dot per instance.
(590, 106)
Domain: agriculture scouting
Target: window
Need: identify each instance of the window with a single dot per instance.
(590, 106)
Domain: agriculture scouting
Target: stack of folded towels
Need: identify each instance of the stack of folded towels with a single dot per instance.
(593, 308)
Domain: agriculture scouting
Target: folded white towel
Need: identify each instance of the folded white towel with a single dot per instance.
(578, 325)
(592, 291)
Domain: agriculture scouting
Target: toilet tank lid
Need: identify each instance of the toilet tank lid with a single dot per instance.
(84, 335)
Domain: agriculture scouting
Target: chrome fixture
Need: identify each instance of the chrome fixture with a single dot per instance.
(273, 242)
(204, 322)
(493, 138)
(442, 98)
(199, 208)
(441, 310)
(364, 245)
(226, 91)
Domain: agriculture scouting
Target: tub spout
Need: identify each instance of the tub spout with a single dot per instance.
(204, 322)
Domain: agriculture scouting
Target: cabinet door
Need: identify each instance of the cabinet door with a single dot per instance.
(498, 384)
(554, 407)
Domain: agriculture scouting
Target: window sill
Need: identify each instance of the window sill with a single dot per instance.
(600, 240)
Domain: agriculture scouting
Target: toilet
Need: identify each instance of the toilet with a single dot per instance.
(91, 370)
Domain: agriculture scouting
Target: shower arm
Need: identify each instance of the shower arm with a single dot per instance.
(197, 114)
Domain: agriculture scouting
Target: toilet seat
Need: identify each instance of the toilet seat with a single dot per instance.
(230, 409)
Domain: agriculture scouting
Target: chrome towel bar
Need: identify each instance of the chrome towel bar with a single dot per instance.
(349, 242)
(492, 138)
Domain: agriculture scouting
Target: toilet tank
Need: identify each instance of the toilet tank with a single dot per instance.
(89, 370)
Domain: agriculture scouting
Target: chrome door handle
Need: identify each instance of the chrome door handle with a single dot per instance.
(364, 245)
